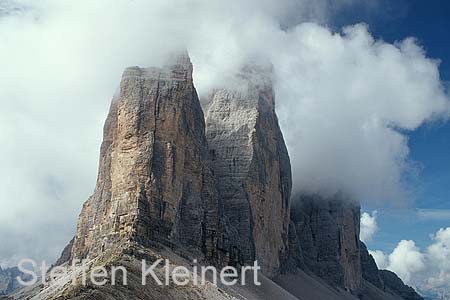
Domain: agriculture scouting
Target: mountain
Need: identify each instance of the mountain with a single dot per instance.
(328, 239)
(153, 183)
(324, 243)
(8, 281)
(251, 164)
(177, 184)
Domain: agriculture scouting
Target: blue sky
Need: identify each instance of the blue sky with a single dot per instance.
(429, 22)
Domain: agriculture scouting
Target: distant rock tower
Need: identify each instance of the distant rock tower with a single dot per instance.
(252, 167)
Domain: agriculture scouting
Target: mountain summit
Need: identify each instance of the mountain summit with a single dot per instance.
(211, 189)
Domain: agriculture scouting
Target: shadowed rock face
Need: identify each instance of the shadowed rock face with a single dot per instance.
(324, 241)
(369, 268)
(153, 183)
(252, 168)
(9, 282)
(327, 233)
(395, 285)
(386, 281)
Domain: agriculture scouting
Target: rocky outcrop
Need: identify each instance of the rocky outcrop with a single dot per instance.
(66, 254)
(251, 165)
(327, 233)
(395, 285)
(384, 280)
(159, 168)
(8, 280)
(369, 268)
(153, 184)
(324, 242)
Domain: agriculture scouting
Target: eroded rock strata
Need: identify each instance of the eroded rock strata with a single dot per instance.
(327, 233)
(170, 186)
(153, 182)
(251, 165)
(324, 242)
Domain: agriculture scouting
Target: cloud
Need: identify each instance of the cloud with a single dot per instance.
(381, 259)
(406, 260)
(438, 255)
(344, 99)
(369, 226)
(342, 113)
(427, 270)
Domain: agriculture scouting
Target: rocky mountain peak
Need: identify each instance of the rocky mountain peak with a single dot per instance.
(151, 184)
(251, 164)
(175, 182)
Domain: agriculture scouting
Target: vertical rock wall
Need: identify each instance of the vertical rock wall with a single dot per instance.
(153, 183)
(252, 168)
(328, 238)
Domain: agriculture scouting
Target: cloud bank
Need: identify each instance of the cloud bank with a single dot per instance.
(344, 99)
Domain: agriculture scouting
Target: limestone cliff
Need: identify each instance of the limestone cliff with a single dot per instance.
(170, 186)
(324, 242)
(252, 167)
(153, 182)
(327, 233)
(369, 268)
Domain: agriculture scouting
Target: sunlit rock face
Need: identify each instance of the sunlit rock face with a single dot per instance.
(252, 168)
(162, 178)
(153, 183)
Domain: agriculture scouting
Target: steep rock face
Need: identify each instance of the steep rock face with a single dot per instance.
(252, 167)
(153, 182)
(328, 239)
(369, 268)
(395, 285)
(324, 240)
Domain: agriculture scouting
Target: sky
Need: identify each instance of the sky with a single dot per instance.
(361, 90)
(429, 145)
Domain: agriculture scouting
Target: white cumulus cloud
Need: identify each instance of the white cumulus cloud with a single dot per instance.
(427, 270)
(406, 260)
(381, 259)
(369, 226)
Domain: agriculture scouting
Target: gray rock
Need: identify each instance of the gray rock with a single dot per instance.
(252, 168)
(66, 254)
(169, 187)
(153, 184)
(328, 239)
(8, 280)
(395, 285)
(369, 267)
